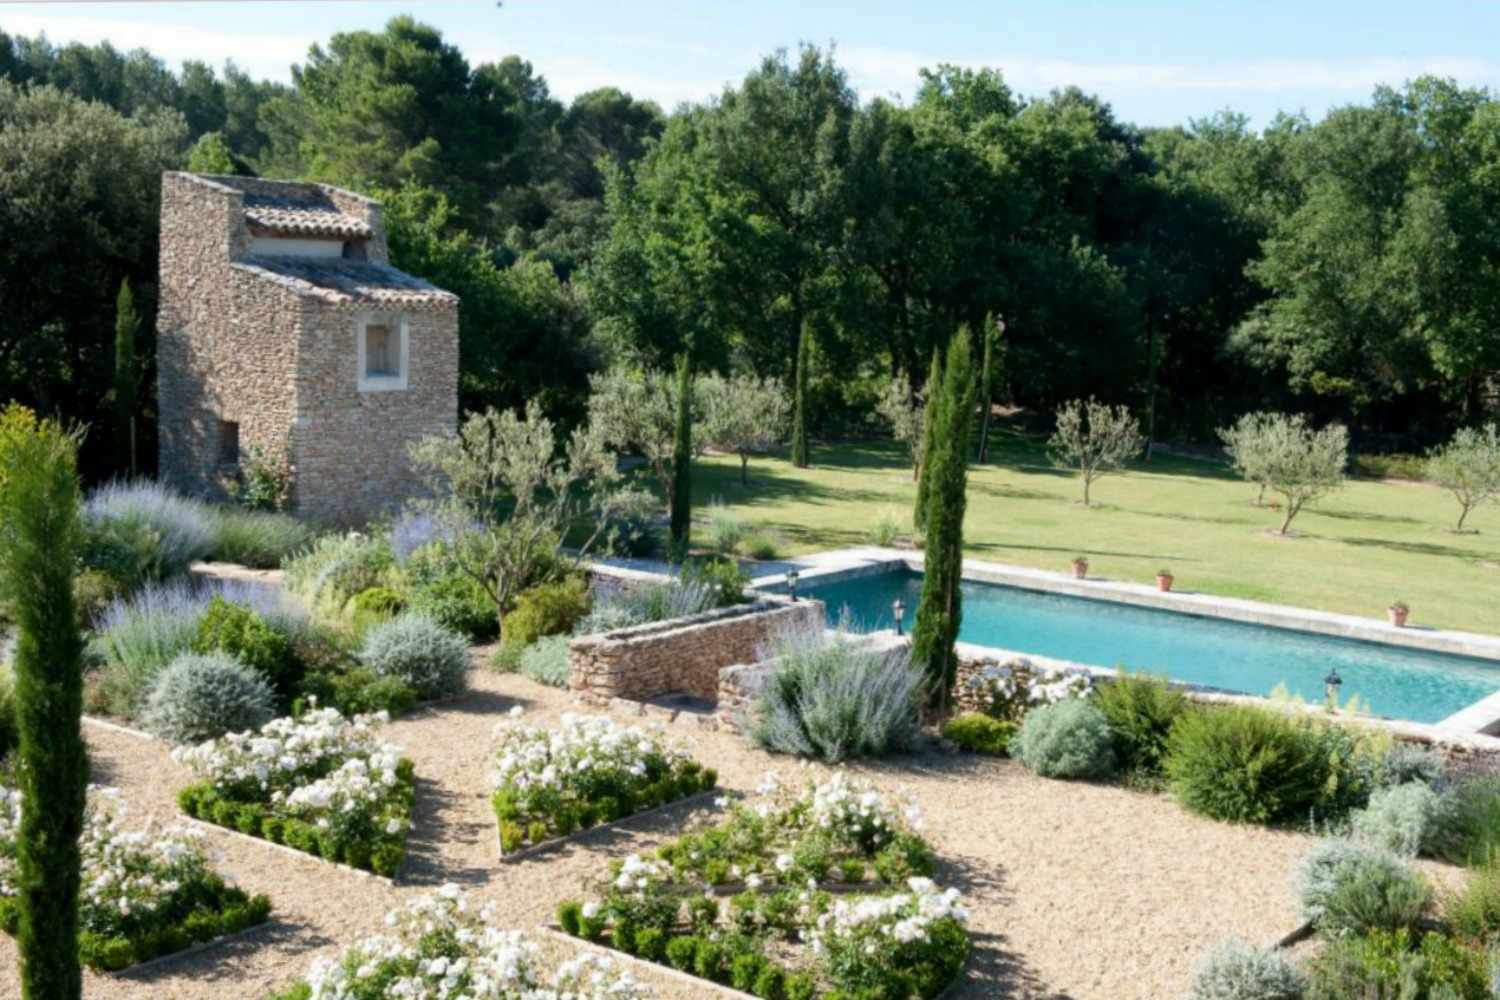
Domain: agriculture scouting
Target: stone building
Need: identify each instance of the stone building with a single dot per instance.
(282, 328)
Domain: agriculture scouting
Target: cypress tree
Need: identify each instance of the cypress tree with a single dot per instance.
(993, 329)
(929, 430)
(39, 539)
(127, 374)
(682, 460)
(941, 608)
(799, 402)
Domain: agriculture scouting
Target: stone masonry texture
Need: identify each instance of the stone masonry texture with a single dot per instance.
(269, 343)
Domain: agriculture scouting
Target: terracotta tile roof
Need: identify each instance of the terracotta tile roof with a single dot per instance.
(294, 208)
(348, 282)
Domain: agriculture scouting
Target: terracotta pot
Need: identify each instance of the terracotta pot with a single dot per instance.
(1397, 616)
(1081, 569)
(1163, 581)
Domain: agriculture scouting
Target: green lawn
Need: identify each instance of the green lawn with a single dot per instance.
(1355, 551)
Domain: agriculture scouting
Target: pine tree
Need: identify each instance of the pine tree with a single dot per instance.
(799, 406)
(127, 374)
(929, 430)
(682, 460)
(39, 539)
(941, 609)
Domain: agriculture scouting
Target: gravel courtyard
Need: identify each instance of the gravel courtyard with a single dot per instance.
(1075, 891)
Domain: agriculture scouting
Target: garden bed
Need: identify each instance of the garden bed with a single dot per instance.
(551, 784)
(147, 896)
(321, 785)
(553, 843)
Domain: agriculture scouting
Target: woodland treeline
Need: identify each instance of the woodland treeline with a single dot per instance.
(1347, 267)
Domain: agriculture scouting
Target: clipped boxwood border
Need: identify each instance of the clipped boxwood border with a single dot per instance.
(254, 821)
(237, 913)
(553, 843)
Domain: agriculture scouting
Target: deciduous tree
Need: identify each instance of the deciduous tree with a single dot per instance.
(743, 414)
(1468, 466)
(1094, 438)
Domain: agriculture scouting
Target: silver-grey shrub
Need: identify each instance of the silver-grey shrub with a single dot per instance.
(1238, 971)
(546, 661)
(1336, 863)
(203, 697)
(1407, 819)
(166, 532)
(835, 697)
(1066, 739)
(414, 649)
(1405, 762)
(647, 603)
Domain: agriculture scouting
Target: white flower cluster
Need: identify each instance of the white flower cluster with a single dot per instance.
(124, 874)
(640, 876)
(288, 753)
(1007, 690)
(871, 924)
(439, 948)
(585, 749)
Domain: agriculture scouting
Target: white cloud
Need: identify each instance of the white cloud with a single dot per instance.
(261, 54)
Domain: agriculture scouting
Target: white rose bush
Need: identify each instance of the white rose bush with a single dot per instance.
(441, 947)
(817, 889)
(1007, 691)
(319, 783)
(145, 893)
(549, 783)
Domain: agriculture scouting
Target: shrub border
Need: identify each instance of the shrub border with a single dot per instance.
(960, 979)
(554, 842)
(390, 880)
(192, 949)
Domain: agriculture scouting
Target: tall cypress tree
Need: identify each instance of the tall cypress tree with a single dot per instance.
(39, 539)
(127, 374)
(682, 459)
(941, 609)
(929, 431)
(799, 412)
(993, 329)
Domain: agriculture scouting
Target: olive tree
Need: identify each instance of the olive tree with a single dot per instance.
(743, 415)
(1247, 443)
(1303, 463)
(506, 496)
(638, 412)
(1094, 438)
(1468, 466)
(899, 407)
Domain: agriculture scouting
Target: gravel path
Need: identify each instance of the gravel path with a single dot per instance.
(1076, 891)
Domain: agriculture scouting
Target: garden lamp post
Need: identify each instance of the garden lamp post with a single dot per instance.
(898, 607)
(791, 582)
(1331, 685)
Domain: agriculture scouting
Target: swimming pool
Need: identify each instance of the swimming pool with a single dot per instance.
(1394, 681)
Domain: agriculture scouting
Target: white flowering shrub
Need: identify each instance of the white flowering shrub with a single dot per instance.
(1007, 691)
(320, 783)
(440, 947)
(550, 782)
(145, 893)
(784, 933)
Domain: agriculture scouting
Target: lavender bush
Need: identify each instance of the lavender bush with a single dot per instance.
(144, 522)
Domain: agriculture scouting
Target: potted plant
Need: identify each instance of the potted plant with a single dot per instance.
(1081, 567)
(1163, 579)
(1397, 613)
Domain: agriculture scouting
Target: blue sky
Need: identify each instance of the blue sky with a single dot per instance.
(1158, 63)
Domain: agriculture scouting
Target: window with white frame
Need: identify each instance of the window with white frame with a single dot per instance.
(384, 352)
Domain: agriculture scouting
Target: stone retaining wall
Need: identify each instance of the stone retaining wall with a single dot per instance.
(682, 656)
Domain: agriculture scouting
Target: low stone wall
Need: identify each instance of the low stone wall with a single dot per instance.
(682, 656)
(742, 683)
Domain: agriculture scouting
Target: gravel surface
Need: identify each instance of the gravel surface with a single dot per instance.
(1076, 891)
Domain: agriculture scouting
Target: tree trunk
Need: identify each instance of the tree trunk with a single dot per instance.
(1291, 512)
(744, 469)
(1087, 482)
(1464, 513)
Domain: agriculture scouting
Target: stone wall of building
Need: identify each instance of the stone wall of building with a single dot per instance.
(683, 656)
(350, 446)
(226, 344)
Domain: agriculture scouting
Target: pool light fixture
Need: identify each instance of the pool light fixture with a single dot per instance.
(898, 607)
(791, 582)
(1331, 685)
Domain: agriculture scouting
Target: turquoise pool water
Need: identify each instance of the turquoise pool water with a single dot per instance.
(1395, 681)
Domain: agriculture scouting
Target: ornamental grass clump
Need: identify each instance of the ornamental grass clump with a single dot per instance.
(425, 656)
(319, 783)
(201, 697)
(551, 782)
(836, 697)
(784, 934)
(256, 538)
(443, 945)
(1237, 971)
(145, 893)
(1066, 739)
